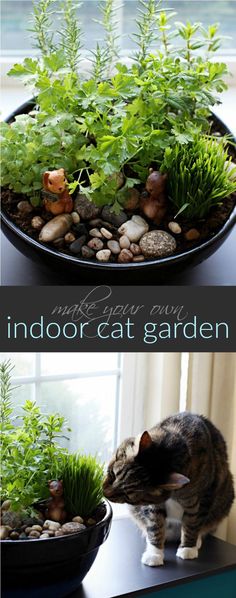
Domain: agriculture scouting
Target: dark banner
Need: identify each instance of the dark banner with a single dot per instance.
(105, 318)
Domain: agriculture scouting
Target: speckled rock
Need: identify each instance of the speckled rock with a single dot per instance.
(157, 243)
(134, 229)
(95, 244)
(55, 228)
(103, 255)
(72, 527)
(85, 208)
(115, 219)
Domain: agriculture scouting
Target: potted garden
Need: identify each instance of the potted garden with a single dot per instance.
(127, 167)
(53, 515)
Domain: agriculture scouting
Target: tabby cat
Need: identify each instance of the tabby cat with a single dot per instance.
(183, 461)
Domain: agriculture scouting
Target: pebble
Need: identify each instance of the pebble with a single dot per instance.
(192, 234)
(59, 532)
(45, 536)
(69, 238)
(78, 519)
(76, 246)
(95, 244)
(14, 535)
(34, 534)
(24, 207)
(91, 521)
(38, 528)
(51, 525)
(11, 519)
(37, 222)
(106, 233)
(95, 232)
(175, 228)
(115, 219)
(125, 256)
(114, 246)
(72, 527)
(157, 243)
(6, 505)
(55, 228)
(75, 217)
(231, 168)
(134, 229)
(85, 208)
(4, 531)
(28, 530)
(98, 223)
(87, 252)
(138, 258)
(51, 533)
(135, 249)
(103, 255)
(23, 536)
(124, 242)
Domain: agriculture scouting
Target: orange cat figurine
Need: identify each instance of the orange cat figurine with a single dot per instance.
(57, 199)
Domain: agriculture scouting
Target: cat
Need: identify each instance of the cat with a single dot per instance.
(183, 461)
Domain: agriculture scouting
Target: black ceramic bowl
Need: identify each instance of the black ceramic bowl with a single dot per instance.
(113, 272)
(54, 567)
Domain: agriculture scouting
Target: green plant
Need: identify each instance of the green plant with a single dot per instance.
(30, 453)
(82, 480)
(121, 118)
(198, 178)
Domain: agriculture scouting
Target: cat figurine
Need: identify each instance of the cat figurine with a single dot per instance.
(181, 462)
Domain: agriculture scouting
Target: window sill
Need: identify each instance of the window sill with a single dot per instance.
(118, 572)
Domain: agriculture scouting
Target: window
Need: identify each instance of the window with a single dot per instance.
(16, 39)
(99, 394)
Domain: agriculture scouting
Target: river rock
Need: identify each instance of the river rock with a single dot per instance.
(37, 222)
(192, 234)
(51, 525)
(103, 255)
(106, 233)
(72, 527)
(95, 232)
(6, 505)
(114, 246)
(77, 245)
(157, 243)
(24, 207)
(34, 534)
(115, 219)
(11, 518)
(175, 228)
(132, 200)
(135, 249)
(78, 519)
(124, 242)
(95, 244)
(85, 208)
(134, 229)
(75, 217)
(69, 238)
(138, 258)
(14, 535)
(4, 531)
(87, 252)
(55, 228)
(125, 256)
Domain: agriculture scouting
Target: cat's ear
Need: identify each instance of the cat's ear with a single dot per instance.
(175, 481)
(145, 442)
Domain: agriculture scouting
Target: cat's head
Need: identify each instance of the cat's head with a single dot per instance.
(140, 473)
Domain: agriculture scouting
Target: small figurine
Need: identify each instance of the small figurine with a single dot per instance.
(56, 197)
(153, 202)
(56, 506)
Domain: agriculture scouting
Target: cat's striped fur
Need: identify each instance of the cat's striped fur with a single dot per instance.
(184, 458)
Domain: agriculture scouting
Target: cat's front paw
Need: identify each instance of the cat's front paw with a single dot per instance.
(153, 559)
(187, 552)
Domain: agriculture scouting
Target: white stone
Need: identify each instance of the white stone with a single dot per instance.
(55, 228)
(106, 233)
(103, 255)
(124, 242)
(75, 217)
(134, 229)
(175, 228)
(114, 247)
(51, 525)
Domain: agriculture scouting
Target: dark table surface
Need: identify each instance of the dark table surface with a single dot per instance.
(219, 269)
(118, 572)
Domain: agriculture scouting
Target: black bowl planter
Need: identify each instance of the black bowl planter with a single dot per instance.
(53, 567)
(191, 255)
